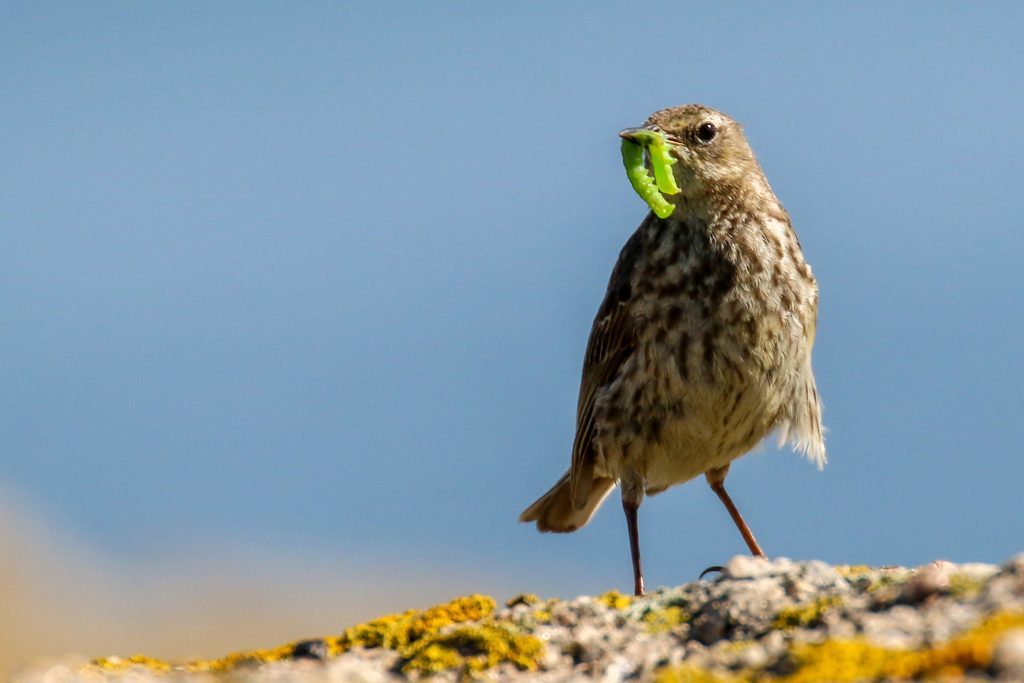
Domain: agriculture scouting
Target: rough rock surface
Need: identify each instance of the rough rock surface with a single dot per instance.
(757, 620)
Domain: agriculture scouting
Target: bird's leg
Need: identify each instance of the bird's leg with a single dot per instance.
(716, 479)
(632, 496)
(634, 545)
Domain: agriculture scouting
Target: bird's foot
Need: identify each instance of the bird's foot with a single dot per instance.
(713, 568)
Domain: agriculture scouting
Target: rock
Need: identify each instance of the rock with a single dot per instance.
(1008, 655)
(897, 628)
(759, 619)
(746, 567)
(932, 579)
(356, 671)
(310, 649)
(753, 657)
(1015, 565)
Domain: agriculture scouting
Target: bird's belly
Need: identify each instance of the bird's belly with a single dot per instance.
(678, 458)
(693, 444)
(680, 428)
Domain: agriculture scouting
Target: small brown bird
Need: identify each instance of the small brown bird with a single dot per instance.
(702, 345)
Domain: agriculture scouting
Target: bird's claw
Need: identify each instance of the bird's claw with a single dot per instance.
(713, 568)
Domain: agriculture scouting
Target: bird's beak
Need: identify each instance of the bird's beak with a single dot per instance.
(630, 133)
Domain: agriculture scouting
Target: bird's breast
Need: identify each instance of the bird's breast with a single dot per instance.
(718, 342)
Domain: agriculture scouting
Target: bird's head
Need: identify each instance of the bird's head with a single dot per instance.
(712, 150)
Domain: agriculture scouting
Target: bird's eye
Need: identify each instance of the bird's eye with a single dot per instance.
(706, 132)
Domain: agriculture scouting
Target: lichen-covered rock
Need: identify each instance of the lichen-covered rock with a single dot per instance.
(759, 620)
(1008, 653)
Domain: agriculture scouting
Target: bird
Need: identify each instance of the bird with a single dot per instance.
(702, 345)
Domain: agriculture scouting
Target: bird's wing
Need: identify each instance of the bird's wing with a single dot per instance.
(810, 316)
(812, 324)
(612, 341)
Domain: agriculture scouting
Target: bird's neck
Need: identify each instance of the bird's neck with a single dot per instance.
(727, 206)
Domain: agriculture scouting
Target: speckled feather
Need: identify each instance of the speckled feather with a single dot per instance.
(702, 345)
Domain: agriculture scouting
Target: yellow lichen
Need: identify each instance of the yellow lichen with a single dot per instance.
(664, 620)
(122, 664)
(395, 631)
(472, 649)
(874, 578)
(401, 632)
(852, 570)
(615, 600)
(737, 646)
(541, 616)
(235, 659)
(805, 615)
(889, 578)
(963, 585)
(838, 661)
(691, 674)
(844, 661)
(459, 610)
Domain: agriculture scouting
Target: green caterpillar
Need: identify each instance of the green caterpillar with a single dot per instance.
(664, 182)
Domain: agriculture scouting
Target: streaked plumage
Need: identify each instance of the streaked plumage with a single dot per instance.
(702, 345)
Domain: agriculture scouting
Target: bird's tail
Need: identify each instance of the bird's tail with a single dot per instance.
(554, 510)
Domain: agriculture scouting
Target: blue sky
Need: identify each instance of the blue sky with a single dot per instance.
(317, 278)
